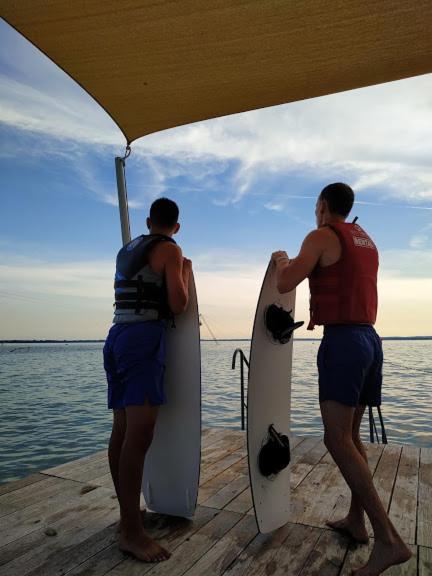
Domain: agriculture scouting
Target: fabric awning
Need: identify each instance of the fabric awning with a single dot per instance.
(158, 64)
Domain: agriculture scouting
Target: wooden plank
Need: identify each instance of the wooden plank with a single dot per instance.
(425, 561)
(221, 465)
(424, 511)
(21, 483)
(187, 553)
(313, 501)
(221, 451)
(67, 466)
(300, 446)
(84, 472)
(96, 512)
(228, 493)
(306, 463)
(21, 522)
(220, 556)
(403, 507)
(95, 559)
(293, 552)
(328, 555)
(28, 495)
(357, 557)
(242, 503)
(259, 553)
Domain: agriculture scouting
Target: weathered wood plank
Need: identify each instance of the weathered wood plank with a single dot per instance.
(425, 561)
(424, 511)
(21, 483)
(259, 553)
(31, 494)
(228, 492)
(92, 558)
(357, 557)
(328, 555)
(221, 465)
(95, 512)
(68, 466)
(293, 552)
(305, 463)
(21, 522)
(187, 553)
(242, 503)
(403, 507)
(218, 558)
(313, 501)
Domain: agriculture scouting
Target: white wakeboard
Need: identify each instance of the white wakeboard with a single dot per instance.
(269, 402)
(172, 464)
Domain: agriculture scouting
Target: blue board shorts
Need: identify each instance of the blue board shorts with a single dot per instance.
(134, 361)
(350, 361)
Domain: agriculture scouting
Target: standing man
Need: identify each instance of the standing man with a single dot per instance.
(341, 262)
(151, 285)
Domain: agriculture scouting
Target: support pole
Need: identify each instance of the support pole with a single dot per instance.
(123, 201)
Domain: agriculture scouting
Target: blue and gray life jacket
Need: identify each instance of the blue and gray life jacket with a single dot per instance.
(140, 293)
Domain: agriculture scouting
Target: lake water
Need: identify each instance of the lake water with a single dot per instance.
(53, 398)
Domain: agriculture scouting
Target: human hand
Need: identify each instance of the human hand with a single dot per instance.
(187, 265)
(279, 256)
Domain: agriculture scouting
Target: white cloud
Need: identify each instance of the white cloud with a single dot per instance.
(74, 300)
(377, 138)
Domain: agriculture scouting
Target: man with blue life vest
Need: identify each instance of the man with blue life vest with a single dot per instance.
(341, 262)
(151, 285)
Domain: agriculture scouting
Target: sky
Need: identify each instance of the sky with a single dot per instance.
(246, 186)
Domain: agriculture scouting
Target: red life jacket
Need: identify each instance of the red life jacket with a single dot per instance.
(346, 292)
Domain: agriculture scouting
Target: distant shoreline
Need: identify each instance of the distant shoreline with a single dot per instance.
(202, 340)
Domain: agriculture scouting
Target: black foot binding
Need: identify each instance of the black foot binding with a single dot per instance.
(280, 323)
(275, 455)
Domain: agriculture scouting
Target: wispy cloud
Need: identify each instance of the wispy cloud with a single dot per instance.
(378, 138)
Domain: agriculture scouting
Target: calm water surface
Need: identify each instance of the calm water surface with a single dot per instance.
(53, 398)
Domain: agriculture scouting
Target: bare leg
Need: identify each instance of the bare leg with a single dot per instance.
(354, 523)
(115, 445)
(114, 450)
(140, 422)
(389, 548)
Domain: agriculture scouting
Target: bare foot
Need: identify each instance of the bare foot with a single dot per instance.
(383, 556)
(143, 548)
(142, 512)
(355, 530)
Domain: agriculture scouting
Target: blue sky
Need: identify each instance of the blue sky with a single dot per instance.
(246, 186)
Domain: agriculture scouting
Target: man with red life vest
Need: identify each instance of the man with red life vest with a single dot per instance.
(341, 262)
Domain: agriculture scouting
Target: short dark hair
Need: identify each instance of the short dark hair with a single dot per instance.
(164, 213)
(339, 198)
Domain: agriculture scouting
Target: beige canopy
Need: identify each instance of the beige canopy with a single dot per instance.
(154, 64)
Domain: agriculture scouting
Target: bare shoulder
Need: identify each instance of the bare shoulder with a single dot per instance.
(316, 237)
(168, 251)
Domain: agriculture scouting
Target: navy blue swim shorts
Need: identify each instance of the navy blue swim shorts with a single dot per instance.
(134, 362)
(350, 360)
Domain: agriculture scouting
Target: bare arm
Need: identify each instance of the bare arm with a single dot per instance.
(290, 273)
(177, 272)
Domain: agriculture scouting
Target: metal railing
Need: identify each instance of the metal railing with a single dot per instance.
(373, 432)
(243, 361)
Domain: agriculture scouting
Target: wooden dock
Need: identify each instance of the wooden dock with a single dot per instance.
(63, 520)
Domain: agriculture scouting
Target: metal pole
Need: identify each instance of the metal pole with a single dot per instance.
(242, 394)
(123, 202)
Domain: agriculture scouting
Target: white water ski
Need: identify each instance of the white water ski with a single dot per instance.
(269, 402)
(172, 466)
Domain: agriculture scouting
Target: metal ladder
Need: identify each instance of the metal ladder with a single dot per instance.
(373, 432)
